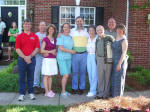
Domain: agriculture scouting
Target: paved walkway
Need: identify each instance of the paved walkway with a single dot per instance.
(11, 98)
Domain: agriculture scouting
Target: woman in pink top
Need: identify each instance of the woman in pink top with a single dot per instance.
(49, 64)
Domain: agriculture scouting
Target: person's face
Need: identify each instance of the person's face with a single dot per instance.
(100, 31)
(14, 25)
(119, 31)
(27, 26)
(51, 31)
(111, 24)
(91, 31)
(79, 22)
(66, 28)
(42, 27)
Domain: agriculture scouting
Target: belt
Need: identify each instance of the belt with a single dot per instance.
(81, 52)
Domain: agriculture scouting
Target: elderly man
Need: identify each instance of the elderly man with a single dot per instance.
(111, 28)
(27, 45)
(79, 60)
(37, 73)
(2, 27)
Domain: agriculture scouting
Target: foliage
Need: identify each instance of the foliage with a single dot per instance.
(130, 56)
(141, 74)
(31, 108)
(9, 81)
(137, 7)
(15, 55)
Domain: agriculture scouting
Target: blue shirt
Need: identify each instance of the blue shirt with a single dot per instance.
(67, 43)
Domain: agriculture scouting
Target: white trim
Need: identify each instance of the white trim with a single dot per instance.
(127, 18)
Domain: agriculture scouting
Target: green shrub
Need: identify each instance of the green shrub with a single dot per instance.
(130, 56)
(137, 68)
(15, 55)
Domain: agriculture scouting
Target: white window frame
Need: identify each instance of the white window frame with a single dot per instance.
(77, 13)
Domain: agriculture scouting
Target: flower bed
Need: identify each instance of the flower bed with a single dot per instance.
(118, 104)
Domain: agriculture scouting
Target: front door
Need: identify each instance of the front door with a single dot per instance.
(8, 14)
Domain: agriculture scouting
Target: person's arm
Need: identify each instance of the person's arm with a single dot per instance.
(123, 55)
(60, 47)
(43, 51)
(20, 53)
(36, 50)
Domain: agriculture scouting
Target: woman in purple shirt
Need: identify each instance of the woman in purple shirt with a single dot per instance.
(49, 64)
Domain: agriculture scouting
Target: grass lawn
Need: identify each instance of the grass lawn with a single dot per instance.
(31, 108)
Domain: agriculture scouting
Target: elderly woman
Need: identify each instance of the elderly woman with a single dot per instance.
(91, 61)
(104, 62)
(119, 48)
(65, 45)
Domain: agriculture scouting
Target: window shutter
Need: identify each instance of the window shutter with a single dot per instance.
(99, 16)
(55, 16)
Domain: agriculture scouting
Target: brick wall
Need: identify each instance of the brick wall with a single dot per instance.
(139, 35)
(42, 8)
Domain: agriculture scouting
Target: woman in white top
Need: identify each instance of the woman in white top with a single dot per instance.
(91, 61)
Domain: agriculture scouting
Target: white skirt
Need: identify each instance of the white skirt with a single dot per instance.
(49, 66)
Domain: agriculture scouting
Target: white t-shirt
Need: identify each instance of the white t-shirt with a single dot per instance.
(2, 26)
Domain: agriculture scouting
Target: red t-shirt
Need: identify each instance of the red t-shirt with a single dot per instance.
(27, 43)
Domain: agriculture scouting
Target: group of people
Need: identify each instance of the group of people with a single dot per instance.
(74, 51)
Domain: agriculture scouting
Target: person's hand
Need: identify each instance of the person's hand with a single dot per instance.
(27, 59)
(118, 67)
(45, 54)
(15, 35)
(73, 52)
(53, 52)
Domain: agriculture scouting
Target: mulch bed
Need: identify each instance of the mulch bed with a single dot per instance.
(118, 104)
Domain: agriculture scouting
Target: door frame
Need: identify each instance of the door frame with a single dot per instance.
(20, 8)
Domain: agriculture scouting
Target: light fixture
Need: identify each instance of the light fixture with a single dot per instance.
(77, 2)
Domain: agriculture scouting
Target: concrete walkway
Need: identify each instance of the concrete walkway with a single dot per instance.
(12, 98)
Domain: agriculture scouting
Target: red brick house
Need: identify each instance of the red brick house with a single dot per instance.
(94, 12)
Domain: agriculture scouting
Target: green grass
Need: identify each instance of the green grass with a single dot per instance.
(31, 108)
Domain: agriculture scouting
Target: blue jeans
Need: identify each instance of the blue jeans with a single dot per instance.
(26, 70)
(0, 41)
(79, 63)
(37, 72)
(92, 72)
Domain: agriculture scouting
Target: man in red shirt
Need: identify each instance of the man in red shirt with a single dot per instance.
(27, 45)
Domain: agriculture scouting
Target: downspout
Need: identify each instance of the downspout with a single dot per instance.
(127, 18)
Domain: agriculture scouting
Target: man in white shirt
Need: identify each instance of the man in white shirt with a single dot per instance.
(2, 27)
(37, 73)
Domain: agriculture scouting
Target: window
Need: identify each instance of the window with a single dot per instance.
(69, 13)
(12, 2)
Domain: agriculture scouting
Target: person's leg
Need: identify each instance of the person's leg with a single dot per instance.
(89, 69)
(94, 75)
(30, 75)
(37, 71)
(83, 65)
(45, 81)
(100, 68)
(75, 70)
(22, 69)
(49, 83)
(108, 71)
(64, 82)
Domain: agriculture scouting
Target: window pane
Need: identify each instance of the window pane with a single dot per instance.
(72, 15)
(62, 21)
(73, 10)
(62, 10)
(72, 21)
(91, 10)
(82, 15)
(68, 20)
(91, 16)
(15, 2)
(67, 10)
(91, 21)
(67, 15)
(86, 21)
(22, 2)
(82, 10)
(86, 16)
(62, 15)
(86, 10)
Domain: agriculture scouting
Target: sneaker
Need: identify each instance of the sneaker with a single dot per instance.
(50, 94)
(31, 96)
(21, 98)
(90, 94)
(65, 95)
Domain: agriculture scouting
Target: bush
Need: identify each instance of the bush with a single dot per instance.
(141, 74)
(9, 81)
